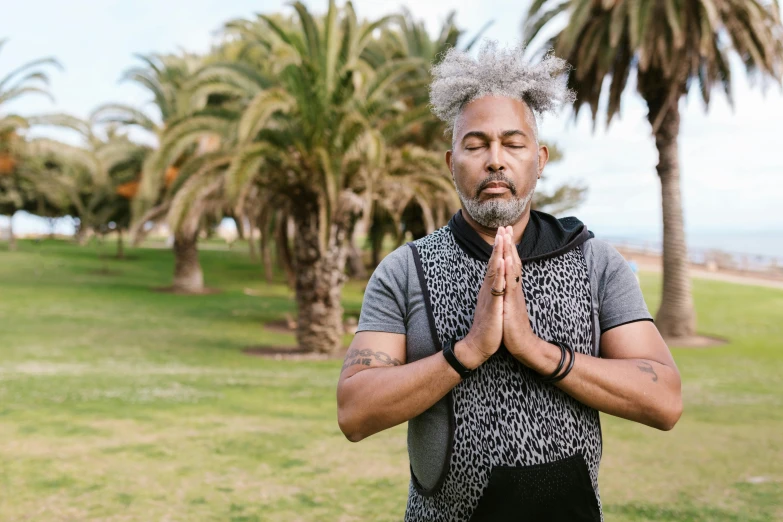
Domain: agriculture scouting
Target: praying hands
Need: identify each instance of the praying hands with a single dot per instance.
(501, 313)
(518, 336)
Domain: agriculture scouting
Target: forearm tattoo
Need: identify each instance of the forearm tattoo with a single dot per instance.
(647, 368)
(365, 357)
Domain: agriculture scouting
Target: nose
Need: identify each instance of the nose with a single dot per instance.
(495, 161)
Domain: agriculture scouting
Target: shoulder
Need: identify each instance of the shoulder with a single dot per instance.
(397, 261)
(394, 269)
(601, 255)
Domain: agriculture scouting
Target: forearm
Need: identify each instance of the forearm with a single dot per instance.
(635, 389)
(378, 398)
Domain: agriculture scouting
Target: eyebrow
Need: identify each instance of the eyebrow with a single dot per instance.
(484, 136)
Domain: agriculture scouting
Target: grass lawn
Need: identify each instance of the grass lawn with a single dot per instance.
(122, 404)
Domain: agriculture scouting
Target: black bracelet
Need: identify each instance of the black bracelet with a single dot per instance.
(570, 366)
(551, 376)
(451, 358)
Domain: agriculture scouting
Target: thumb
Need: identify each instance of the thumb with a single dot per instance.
(497, 252)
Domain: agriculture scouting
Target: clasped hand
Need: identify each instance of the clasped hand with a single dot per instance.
(502, 318)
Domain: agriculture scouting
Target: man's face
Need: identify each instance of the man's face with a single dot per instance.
(496, 160)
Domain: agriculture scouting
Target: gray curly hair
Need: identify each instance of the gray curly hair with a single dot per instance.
(459, 79)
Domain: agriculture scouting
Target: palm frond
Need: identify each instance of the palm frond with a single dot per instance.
(125, 115)
(191, 201)
(41, 62)
(63, 120)
(259, 110)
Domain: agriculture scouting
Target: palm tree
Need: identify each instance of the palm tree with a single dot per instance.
(308, 113)
(154, 194)
(668, 45)
(90, 181)
(30, 78)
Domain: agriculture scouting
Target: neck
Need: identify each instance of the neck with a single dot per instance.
(488, 234)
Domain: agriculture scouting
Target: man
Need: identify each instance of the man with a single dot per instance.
(502, 335)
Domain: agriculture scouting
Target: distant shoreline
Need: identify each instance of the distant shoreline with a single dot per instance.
(648, 262)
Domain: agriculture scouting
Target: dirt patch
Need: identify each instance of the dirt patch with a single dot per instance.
(282, 326)
(172, 290)
(292, 353)
(695, 341)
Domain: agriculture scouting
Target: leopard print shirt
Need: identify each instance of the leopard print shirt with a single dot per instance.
(502, 415)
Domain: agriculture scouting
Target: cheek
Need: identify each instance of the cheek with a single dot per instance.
(465, 172)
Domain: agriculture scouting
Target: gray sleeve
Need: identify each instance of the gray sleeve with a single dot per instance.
(385, 302)
(620, 298)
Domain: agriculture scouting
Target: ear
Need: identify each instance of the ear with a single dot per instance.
(543, 157)
(448, 163)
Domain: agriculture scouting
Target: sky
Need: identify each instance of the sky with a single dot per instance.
(731, 167)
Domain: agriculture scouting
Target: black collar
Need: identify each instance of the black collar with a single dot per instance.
(544, 236)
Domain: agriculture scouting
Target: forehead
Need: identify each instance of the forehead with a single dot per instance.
(494, 114)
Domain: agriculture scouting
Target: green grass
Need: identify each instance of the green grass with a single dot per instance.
(118, 403)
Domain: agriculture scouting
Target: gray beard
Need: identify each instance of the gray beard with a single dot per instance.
(495, 212)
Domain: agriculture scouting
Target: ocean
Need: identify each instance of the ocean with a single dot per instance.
(754, 248)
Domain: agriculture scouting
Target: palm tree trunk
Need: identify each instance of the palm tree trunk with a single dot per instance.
(319, 282)
(676, 316)
(251, 245)
(83, 235)
(188, 276)
(284, 257)
(356, 267)
(120, 245)
(320, 273)
(11, 237)
(239, 227)
(263, 247)
(377, 246)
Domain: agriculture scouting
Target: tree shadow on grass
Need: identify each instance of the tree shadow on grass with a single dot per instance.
(292, 353)
(180, 291)
(105, 272)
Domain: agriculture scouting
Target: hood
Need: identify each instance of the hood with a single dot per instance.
(544, 236)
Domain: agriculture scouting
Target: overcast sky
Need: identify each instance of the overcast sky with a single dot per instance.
(731, 162)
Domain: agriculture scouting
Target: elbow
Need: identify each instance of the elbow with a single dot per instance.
(670, 411)
(347, 418)
(669, 416)
(348, 425)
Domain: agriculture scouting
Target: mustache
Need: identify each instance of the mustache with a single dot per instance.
(494, 178)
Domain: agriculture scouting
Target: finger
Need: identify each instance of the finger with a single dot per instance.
(491, 265)
(496, 247)
(516, 268)
(499, 281)
(510, 275)
(508, 260)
